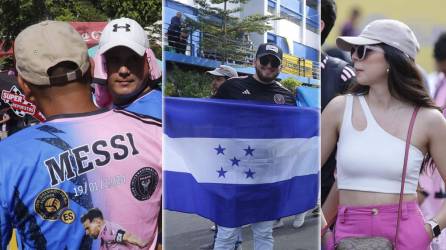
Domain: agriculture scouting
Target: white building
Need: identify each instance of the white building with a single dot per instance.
(297, 33)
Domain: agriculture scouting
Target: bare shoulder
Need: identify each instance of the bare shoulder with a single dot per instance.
(336, 105)
(334, 111)
(432, 120)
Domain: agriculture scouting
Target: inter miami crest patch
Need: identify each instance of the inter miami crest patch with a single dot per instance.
(50, 202)
(144, 183)
(279, 99)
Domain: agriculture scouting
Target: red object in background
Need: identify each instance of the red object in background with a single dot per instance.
(5, 53)
(90, 32)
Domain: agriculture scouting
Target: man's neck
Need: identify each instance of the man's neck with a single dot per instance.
(69, 100)
(125, 103)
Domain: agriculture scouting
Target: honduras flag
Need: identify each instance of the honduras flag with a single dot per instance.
(236, 162)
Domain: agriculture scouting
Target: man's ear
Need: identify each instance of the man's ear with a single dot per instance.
(23, 85)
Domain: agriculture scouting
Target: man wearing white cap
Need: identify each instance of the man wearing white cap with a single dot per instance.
(220, 75)
(129, 66)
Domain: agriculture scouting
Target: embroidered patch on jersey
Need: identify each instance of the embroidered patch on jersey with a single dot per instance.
(279, 99)
(144, 183)
(50, 202)
(67, 216)
(16, 100)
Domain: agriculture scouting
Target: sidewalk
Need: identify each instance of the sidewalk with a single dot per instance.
(192, 232)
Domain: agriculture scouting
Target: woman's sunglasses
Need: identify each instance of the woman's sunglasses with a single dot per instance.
(362, 51)
(265, 60)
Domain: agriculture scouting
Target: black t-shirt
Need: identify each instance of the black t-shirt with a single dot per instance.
(248, 88)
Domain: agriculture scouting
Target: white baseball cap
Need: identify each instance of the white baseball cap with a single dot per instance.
(391, 32)
(223, 70)
(123, 32)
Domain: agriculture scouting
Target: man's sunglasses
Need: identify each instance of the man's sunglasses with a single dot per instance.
(274, 61)
(362, 51)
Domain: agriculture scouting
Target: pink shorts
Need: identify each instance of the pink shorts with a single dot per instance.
(371, 221)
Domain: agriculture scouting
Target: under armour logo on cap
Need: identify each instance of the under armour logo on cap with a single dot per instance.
(124, 32)
(126, 27)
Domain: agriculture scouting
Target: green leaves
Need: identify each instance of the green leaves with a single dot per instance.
(224, 33)
(187, 83)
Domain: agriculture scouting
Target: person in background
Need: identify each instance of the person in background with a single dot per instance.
(220, 75)
(350, 27)
(174, 31)
(432, 187)
(336, 76)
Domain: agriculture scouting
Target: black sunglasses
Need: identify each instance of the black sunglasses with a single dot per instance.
(274, 61)
(362, 51)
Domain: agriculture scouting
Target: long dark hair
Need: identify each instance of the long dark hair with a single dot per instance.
(404, 80)
(405, 84)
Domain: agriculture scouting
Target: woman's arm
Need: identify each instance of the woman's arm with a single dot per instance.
(330, 123)
(329, 208)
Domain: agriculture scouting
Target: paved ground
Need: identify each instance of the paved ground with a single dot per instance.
(192, 232)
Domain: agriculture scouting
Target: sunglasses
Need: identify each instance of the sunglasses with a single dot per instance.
(274, 61)
(363, 51)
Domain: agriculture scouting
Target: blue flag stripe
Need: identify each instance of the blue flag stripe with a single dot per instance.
(210, 118)
(232, 205)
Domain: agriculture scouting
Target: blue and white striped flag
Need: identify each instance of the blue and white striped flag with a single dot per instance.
(237, 162)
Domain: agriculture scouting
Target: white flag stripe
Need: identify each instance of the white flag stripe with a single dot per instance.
(272, 160)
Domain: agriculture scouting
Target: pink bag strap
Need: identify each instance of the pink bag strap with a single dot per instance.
(403, 178)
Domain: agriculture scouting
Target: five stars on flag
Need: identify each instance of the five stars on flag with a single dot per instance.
(235, 161)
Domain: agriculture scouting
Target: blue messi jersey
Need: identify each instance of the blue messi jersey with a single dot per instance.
(150, 104)
(53, 173)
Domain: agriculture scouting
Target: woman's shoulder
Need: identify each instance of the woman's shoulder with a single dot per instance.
(338, 103)
(432, 119)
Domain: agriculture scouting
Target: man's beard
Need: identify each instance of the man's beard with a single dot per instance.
(264, 78)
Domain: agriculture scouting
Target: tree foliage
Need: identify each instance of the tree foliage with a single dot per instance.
(187, 83)
(291, 84)
(15, 15)
(145, 12)
(224, 34)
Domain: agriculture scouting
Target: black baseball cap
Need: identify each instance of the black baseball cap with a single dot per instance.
(269, 49)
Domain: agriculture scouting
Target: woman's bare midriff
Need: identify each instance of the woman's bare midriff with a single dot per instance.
(363, 198)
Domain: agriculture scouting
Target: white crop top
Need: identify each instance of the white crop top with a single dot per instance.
(372, 159)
